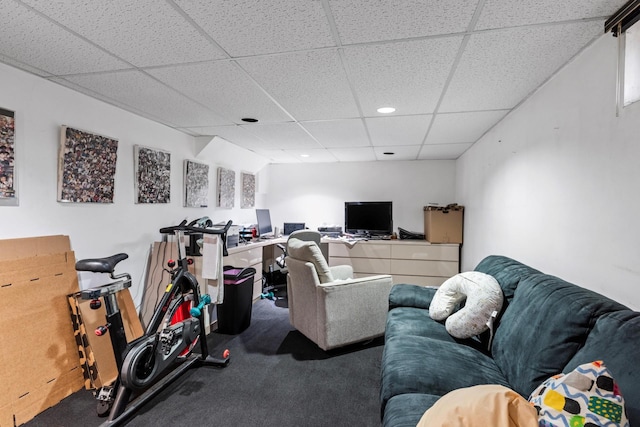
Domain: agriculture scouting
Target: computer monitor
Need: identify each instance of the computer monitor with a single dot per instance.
(264, 222)
(290, 227)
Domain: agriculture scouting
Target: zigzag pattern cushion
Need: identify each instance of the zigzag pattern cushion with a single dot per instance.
(585, 397)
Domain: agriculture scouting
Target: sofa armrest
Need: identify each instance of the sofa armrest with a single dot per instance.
(411, 296)
(341, 272)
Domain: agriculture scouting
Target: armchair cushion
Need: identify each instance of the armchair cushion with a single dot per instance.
(310, 252)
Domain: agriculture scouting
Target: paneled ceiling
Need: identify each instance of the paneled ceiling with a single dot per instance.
(313, 72)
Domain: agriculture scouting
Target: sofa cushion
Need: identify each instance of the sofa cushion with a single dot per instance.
(615, 339)
(483, 299)
(310, 252)
(481, 406)
(403, 295)
(588, 393)
(414, 364)
(403, 321)
(508, 272)
(546, 323)
(405, 410)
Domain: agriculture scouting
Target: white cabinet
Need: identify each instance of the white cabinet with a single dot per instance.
(408, 261)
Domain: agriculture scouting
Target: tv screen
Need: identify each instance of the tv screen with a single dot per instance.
(368, 218)
(264, 222)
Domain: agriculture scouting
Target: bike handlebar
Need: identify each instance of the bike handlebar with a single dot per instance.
(191, 229)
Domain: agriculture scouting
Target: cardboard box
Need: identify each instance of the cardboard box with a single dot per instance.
(38, 363)
(96, 352)
(443, 224)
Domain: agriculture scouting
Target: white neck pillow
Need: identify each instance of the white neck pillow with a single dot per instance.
(484, 297)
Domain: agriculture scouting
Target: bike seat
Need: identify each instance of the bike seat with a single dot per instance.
(100, 265)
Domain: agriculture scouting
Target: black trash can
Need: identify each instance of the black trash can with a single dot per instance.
(234, 314)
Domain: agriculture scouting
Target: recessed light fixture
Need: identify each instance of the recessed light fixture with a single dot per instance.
(249, 120)
(304, 155)
(386, 110)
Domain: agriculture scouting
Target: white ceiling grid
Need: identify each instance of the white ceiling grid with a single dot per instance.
(313, 72)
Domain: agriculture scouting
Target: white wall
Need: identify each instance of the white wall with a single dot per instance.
(95, 230)
(315, 193)
(555, 185)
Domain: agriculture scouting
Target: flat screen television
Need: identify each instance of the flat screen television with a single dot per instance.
(264, 222)
(368, 218)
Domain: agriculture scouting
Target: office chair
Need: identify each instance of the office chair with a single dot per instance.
(304, 235)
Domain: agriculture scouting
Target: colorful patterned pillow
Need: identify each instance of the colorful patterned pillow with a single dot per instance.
(587, 396)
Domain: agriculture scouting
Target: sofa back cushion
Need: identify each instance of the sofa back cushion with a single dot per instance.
(546, 323)
(615, 339)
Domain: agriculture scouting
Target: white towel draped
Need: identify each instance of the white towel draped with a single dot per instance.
(212, 269)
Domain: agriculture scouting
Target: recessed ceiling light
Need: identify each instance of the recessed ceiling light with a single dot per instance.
(304, 155)
(249, 120)
(386, 110)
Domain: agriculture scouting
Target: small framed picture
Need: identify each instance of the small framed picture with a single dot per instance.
(248, 191)
(86, 167)
(226, 188)
(152, 170)
(196, 184)
(8, 195)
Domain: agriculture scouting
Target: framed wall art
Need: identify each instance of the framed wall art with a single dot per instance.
(248, 191)
(196, 184)
(226, 188)
(152, 170)
(8, 195)
(86, 167)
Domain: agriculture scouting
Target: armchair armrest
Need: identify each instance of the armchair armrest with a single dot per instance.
(411, 296)
(353, 310)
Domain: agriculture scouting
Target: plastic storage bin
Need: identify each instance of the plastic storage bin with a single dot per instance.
(234, 314)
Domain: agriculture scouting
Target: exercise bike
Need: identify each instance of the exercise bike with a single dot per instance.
(164, 351)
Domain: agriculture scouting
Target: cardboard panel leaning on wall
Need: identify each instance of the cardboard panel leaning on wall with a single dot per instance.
(39, 362)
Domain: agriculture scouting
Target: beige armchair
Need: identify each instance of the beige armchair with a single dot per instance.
(329, 306)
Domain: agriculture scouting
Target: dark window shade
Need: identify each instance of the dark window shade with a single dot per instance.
(625, 17)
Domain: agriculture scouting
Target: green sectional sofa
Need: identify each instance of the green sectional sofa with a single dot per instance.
(546, 326)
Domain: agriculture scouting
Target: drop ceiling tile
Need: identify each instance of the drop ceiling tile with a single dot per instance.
(282, 136)
(249, 27)
(398, 130)
(358, 154)
(277, 156)
(443, 151)
(360, 21)
(500, 68)
(222, 87)
(141, 92)
(232, 133)
(23, 66)
(309, 85)
(450, 128)
(403, 152)
(315, 155)
(28, 38)
(409, 76)
(143, 32)
(338, 133)
(509, 13)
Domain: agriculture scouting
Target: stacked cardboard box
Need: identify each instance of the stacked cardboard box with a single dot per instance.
(39, 359)
(443, 224)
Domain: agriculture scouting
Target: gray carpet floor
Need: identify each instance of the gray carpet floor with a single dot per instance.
(276, 377)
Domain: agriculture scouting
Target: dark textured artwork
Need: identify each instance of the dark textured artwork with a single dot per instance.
(86, 167)
(7, 154)
(153, 175)
(196, 184)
